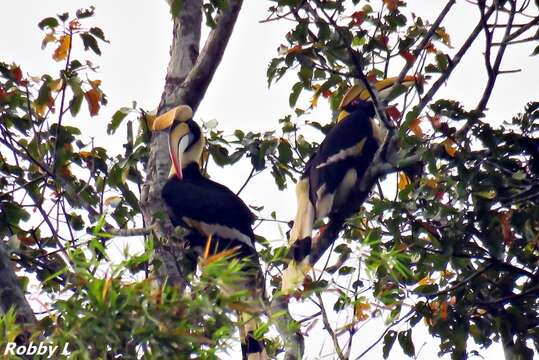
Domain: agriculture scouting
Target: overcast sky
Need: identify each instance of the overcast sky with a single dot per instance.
(133, 67)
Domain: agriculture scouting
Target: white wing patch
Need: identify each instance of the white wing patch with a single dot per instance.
(353, 150)
(220, 230)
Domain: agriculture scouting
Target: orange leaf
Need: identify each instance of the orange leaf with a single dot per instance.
(61, 51)
(371, 76)
(430, 48)
(444, 36)
(408, 56)
(360, 311)
(450, 147)
(443, 310)
(404, 180)
(430, 182)
(393, 113)
(95, 83)
(416, 129)
(226, 253)
(392, 5)
(358, 17)
(505, 222)
(93, 97)
(294, 49)
(427, 280)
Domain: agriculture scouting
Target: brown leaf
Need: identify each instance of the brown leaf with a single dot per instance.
(393, 113)
(408, 56)
(358, 17)
(446, 39)
(93, 97)
(63, 48)
(392, 5)
(416, 129)
(505, 222)
(17, 74)
(430, 48)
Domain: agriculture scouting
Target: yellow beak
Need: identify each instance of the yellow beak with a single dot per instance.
(361, 93)
(179, 113)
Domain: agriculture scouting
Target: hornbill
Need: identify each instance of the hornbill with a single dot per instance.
(334, 170)
(218, 219)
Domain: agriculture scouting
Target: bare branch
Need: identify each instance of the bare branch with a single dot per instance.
(453, 63)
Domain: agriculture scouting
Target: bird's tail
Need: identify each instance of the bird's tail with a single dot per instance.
(300, 240)
(251, 347)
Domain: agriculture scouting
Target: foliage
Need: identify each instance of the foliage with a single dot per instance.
(451, 244)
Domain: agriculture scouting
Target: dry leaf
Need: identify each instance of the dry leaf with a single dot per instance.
(444, 36)
(392, 5)
(450, 147)
(61, 51)
(408, 56)
(416, 129)
(47, 39)
(93, 97)
(360, 311)
(393, 113)
(404, 180)
(505, 222)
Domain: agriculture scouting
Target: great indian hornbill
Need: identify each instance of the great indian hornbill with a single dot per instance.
(218, 219)
(339, 164)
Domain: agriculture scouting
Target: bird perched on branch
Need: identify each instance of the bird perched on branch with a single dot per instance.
(219, 220)
(338, 166)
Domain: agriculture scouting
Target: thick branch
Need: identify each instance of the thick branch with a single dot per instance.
(11, 294)
(188, 77)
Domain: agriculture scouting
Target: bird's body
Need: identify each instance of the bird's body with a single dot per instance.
(211, 208)
(219, 221)
(332, 173)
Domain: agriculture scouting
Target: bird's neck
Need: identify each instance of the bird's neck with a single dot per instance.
(191, 170)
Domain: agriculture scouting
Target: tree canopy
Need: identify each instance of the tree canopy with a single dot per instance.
(447, 240)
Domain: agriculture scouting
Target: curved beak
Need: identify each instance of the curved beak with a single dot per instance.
(178, 141)
(385, 89)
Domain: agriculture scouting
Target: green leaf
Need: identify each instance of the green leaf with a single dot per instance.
(389, 340)
(116, 120)
(90, 42)
(405, 341)
(75, 103)
(48, 22)
(296, 90)
(85, 13)
(98, 33)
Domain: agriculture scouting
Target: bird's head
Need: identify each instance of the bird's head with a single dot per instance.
(357, 95)
(185, 139)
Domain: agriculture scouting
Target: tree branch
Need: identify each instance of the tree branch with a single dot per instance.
(11, 294)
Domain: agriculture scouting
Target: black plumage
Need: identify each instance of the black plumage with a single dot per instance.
(349, 132)
(196, 199)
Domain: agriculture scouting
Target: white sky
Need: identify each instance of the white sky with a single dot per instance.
(133, 67)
